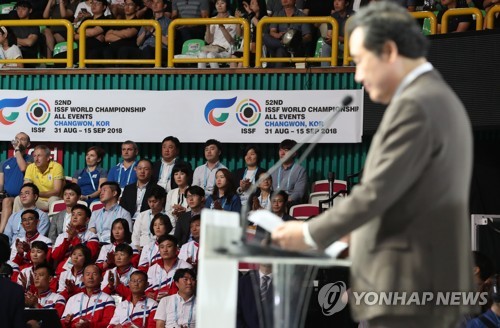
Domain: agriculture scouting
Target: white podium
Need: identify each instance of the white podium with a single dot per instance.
(221, 249)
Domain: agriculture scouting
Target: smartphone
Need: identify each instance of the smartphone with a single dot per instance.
(84, 10)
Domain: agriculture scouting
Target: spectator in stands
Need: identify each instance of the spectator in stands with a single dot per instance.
(28, 196)
(248, 175)
(290, 177)
(122, 40)
(204, 175)
(220, 38)
(492, 316)
(92, 176)
(116, 280)
(341, 15)
(143, 308)
(76, 233)
(195, 196)
(179, 309)
(224, 196)
(12, 175)
(254, 11)
(21, 248)
(142, 234)
(160, 226)
(71, 280)
(83, 11)
(279, 205)
(91, 307)
(120, 234)
(189, 9)
(274, 6)
(47, 175)
(162, 169)
(135, 196)
(455, 23)
(44, 297)
(94, 34)
(124, 172)
(39, 255)
(301, 37)
(161, 273)
(27, 36)
(189, 251)
(60, 9)
(61, 221)
(102, 219)
(261, 199)
(146, 37)
(9, 49)
(255, 310)
(176, 199)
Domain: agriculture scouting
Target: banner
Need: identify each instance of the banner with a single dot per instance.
(192, 116)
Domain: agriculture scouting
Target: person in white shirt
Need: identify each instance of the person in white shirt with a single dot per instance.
(176, 199)
(160, 225)
(142, 236)
(9, 49)
(179, 310)
(136, 310)
(204, 175)
(189, 251)
(44, 298)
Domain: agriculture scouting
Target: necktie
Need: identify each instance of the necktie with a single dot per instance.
(264, 285)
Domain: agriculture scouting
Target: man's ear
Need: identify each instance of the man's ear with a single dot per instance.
(390, 51)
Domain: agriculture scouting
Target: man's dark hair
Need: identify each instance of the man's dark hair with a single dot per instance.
(384, 21)
(126, 142)
(181, 272)
(168, 237)
(176, 141)
(196, 190)
(140, 273)
(33, 187)
(125, 248)
(287, 144)
(38, 244)
(30, 211)
(147, 160)
(484, 264)
(46, 266)
(88, 212)
(283, 194)
(74, 187)
(210, 142)
(114, 187)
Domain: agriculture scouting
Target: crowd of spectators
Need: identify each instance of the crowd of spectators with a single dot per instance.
(222, 41)
(131, 236)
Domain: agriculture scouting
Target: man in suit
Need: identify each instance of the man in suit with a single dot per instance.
(162, 169)
(255, 311)
(135, 195)
(196, 200)
(408, 216)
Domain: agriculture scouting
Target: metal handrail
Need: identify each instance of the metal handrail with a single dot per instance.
(461, 12)
(208, 21)
(490, 16)
(120, 22)
(296, 20)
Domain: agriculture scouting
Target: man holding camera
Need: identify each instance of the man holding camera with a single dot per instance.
(12, 175)
(285, 38)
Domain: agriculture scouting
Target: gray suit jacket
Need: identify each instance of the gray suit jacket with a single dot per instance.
(409, 215)
(56, 226)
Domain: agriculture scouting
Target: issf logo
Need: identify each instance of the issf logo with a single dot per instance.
(248, 112)
(8, 119)
(218, 104)
(38, 112)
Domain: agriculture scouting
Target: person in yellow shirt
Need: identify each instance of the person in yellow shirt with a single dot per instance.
(47, 175)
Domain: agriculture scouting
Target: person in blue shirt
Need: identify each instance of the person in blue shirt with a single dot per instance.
(224, 196)
(12, 175)
(124, 172)
(28, 196)
(92, 176)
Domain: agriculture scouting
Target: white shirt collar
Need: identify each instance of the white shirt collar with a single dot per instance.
(412, 76)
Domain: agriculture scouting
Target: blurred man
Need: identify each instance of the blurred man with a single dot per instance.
(409, 214)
